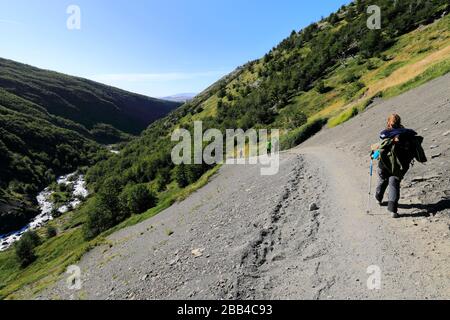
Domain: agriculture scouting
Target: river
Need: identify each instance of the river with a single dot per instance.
(79, 193)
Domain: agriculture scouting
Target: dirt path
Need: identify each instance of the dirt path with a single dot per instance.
(249, 236)
(348, 241)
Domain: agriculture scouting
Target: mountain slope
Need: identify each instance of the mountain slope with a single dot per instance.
(50, 124)
(181, 97)
(83, 101)
(35, 147)
(258, 239)
(326, 73)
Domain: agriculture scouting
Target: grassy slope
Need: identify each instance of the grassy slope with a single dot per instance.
(425, 50)
(416, 57)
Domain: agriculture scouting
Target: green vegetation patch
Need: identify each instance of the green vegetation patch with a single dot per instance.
(435, 71)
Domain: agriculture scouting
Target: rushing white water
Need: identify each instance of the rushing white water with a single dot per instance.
(112, 149)
(46, 207)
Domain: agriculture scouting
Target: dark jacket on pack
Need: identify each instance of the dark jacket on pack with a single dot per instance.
(392, 133)
(396, 157)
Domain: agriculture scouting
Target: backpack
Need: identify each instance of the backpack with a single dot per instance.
(419, 153)
(397, 157)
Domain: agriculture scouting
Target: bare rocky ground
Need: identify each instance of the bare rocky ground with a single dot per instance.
(247, 236)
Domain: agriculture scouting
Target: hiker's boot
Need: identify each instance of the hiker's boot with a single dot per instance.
(393, 208)
(379, 200)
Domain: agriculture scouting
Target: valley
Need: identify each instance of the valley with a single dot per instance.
(53, 124)
(142, 227)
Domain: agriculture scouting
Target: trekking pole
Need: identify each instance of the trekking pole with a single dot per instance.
(374, 156)
(370, 185)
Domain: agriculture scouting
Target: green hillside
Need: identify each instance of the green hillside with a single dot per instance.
(83, 101)
(321, 75)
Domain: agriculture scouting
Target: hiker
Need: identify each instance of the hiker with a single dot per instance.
(269, 147)
(397, 150)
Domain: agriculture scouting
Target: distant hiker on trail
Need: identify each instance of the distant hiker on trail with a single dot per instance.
(269, 147)
(397, 150)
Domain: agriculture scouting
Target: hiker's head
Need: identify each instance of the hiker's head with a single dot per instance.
(394, 122)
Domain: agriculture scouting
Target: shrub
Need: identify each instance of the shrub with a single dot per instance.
(343, 117)
(137, 199)
(322, 88)
(106, 210)
(62, 187)
(353, 89)
(55, 213)
(181, 176)
(25, 248)
(294, 119)
(351, 77)
(372, 64)
(100, 218)
(295, 137)
(162, 179)
(51, 232)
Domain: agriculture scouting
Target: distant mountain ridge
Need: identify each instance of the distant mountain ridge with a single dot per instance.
(83, 101)
(181, 97)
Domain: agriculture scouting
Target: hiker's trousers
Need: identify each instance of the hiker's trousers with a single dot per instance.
(385, 180)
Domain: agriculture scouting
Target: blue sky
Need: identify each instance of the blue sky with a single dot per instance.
(153, 47)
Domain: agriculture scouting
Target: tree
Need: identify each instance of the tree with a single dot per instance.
(195, 171)
(100, 218)
(181, 176)
(321, 87)
(333, 18)
(351, 13)
(138, 198)
(51, 232)
(222, 93)
(162, 179)
(294, 119)
(109, 194)
(25, 248)
(372, 43)
(106, 210)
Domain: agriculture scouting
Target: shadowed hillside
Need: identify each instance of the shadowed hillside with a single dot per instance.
(83, 101)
